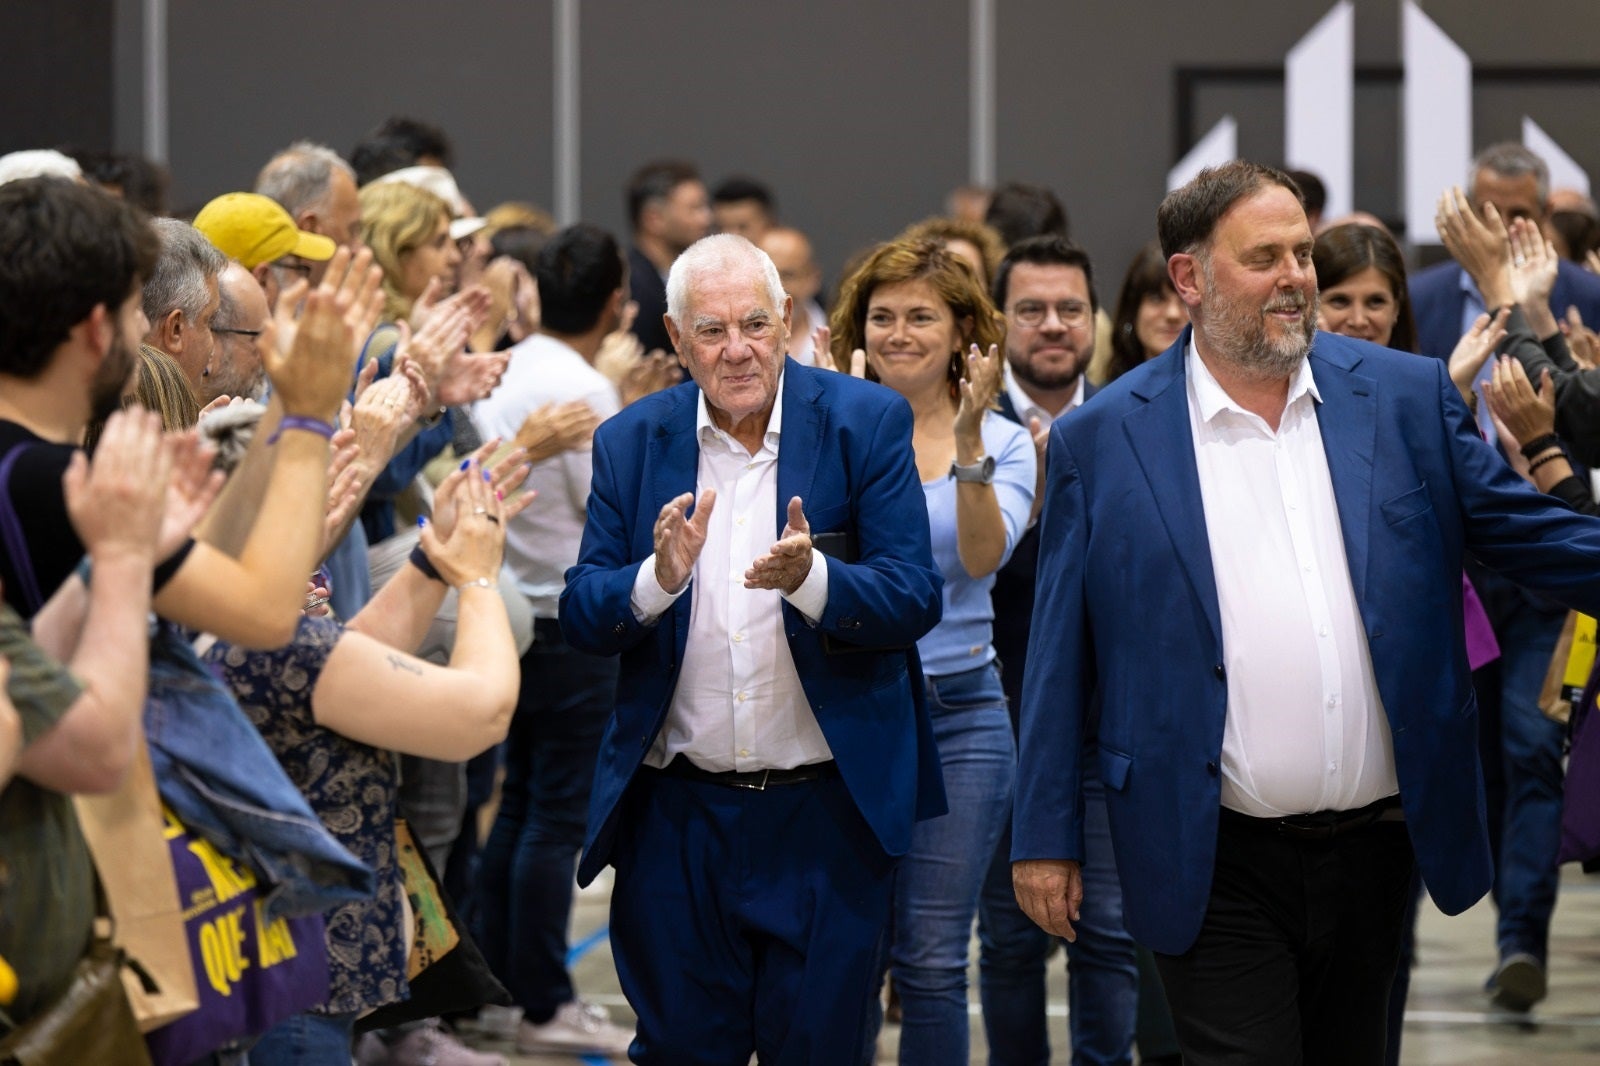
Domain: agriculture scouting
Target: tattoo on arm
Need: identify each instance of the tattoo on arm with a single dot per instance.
(401, 664)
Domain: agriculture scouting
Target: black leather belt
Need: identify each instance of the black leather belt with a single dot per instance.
(759, 780)
(1321, 825)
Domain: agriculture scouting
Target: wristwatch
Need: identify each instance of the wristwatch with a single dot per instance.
(980, 472)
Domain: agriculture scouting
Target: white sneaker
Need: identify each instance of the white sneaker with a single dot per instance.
(577, 1027)
(499, 1023)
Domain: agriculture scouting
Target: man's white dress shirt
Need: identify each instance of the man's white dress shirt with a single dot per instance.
(1305, 728)
(738, 704)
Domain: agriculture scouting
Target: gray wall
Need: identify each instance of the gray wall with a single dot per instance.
(855, 110)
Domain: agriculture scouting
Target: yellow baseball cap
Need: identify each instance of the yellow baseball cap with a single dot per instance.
(255, 229)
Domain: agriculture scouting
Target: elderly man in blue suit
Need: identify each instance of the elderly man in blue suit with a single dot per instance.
(1249, 593)
(769, 751)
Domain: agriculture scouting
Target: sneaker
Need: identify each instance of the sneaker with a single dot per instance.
(432, 1046)
(1519, 983)
(499, 1023)
(579, 1027)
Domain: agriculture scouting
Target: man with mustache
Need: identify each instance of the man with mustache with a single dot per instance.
(1249, 596)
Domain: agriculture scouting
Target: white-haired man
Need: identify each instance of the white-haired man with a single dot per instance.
(769, 750)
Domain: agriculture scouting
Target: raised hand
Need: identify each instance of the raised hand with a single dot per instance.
(787, 563)
(554, 428)
(382, 413)
(1581, 340)
(653, 372)
(471, 376)
(311, 378)
(116, 502)
(1527, 415)
(821, 350)
(190, 493)
(1474, 348)
(1533, 274)
(977, 393)
(679, 538)
(477, 540)
(1481, 246)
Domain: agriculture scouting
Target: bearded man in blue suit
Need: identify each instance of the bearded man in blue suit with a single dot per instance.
(1250, 594)
(769, 750)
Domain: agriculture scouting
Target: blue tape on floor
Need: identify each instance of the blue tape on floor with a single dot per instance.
(588, 944)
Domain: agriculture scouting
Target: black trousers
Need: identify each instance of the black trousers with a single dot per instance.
(1297, 951)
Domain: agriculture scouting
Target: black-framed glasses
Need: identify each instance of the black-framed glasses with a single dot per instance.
(297, 265)
(238, 332)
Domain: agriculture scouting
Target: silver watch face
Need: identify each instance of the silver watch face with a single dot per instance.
(981, 472)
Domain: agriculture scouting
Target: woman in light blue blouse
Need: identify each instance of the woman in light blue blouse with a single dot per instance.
(928, 330)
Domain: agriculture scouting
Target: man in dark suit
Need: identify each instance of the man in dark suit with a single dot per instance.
(1045, 287)
(1443, 297)
(1521, 747)
(1249, 594)
(668, 209)
(769, 750)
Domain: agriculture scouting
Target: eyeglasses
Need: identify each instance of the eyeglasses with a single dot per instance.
(1032, 313)
(298, 266)
(238, 332)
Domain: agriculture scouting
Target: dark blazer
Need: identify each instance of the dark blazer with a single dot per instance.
(646, 289)
(1127, 619)
(1437, 302)
(846, 452)
(1012, 594)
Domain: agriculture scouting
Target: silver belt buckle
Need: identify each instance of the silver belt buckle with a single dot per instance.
(760, 786)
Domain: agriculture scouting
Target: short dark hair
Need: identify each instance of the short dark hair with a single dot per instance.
(1186, 218)
(396, 143)
(1313, 193)
(738, 189)
(578, 269)
(1344, 251)
(142, 182)
(1048, 250)
(655, 181)
(69, 248)
(521, 243)
(1018, 211)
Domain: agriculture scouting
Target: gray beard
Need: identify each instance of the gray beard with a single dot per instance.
(1239, 339)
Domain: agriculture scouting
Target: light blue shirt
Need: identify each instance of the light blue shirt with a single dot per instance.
(963, 639)
(1471, 308)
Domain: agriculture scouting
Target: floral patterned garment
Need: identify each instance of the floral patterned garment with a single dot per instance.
(352, 788)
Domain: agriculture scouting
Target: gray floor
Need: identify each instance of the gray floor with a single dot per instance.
(1447, 1020)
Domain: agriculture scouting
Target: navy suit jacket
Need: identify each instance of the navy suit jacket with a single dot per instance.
(846, 452)
(1437, 302)
(1012, 594)
(1127, 620)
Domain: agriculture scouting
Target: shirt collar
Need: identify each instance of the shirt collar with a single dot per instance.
(1212, 399)
(704, 426)
(1027, 408)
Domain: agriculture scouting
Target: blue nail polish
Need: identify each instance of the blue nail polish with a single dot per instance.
(422, 520)
(487, 476)
(465, 463)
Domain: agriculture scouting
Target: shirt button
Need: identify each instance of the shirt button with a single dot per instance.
(741, 697)
(1333, 701)
(1307, 568)
(744, 753)
(739, 521)
(1324, 631)
(738, 638)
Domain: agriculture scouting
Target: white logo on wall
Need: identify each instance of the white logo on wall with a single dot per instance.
(1319, 94)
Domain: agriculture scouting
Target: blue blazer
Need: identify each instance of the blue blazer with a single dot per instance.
(1437, 302)
(846, 452)
(1126, 626)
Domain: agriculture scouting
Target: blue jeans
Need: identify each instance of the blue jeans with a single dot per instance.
(1102, 969)
(306, 1039)
(1521, 751)
(525, 879)
(937, 886)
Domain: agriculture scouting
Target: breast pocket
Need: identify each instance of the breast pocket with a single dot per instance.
(1408, 505)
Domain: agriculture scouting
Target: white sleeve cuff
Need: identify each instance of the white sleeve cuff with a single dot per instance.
(811, 598)
(649, 600)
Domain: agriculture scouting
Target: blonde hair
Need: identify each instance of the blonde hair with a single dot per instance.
(396, 218)
(163, 388)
